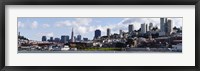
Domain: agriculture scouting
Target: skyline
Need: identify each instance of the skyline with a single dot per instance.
(55, 27)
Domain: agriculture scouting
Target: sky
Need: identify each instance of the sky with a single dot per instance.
(34, 28)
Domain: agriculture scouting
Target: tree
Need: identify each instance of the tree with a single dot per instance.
(120, 45)
(175, 28)
(155, 28)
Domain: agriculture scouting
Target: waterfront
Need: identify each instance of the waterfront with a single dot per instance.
(148, 37)
(107, 50)
(97, 52)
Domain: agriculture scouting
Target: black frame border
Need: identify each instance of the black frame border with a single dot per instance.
(99, 2)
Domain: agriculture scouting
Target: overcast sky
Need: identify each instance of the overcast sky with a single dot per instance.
(35, 28)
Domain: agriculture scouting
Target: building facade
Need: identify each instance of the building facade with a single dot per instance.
(64, 39)
(150, 26)
(147, 27)
(85, 39)
(143, 28)
(72, 36)
(44, 38)
(130, 28)
(108, 32)
(120, 33)
(162, 24)
(51, 39)
(169, 27)
(79, 38)
(57, 40)
(97, 33)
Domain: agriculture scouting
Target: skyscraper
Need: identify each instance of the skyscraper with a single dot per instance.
(44, 38)
(51, 39)
(75, 39)
(166, 26)
(169, 26)
(162, 24)
(130, 28)
(150, 26)
(67, 38)
(57, 40)
(97, 33)
(78, 37)
(85, 39)
(143, 28)
(72, 36)
(147, 27)
(108, 32)
(181, 28)
(120, 33)
(63, 39)
(18, 33)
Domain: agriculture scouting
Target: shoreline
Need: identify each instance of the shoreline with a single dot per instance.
(98, 52)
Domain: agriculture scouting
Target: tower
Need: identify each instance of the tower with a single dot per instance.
(162, 25)
(79, 37)
(147, 27)
(97, 33)
(150, 26)
(108, 32)
(18, 33)
(169, 26)
(72, 36)
(121, 33)
(44, 38)
(64, 39)
(143, 28)
(130, 28)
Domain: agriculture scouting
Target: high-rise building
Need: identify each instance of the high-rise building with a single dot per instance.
(78, 37)
(63, 39)
(147, 27)
(85, 39)
(18, 33)
(57, 40)
(120, 33)
(143, 28)
(166, 26)
(169, 26)
(108, 32)
(130, 28)
(97, 33)
(75, 39)
(67, 38)
(44, 38)
(150, 26)
(162, 24)
(51, 39)
(72, 36)
(181, 28)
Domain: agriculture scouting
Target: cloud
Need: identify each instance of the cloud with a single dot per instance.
(156, 21)
(83, 21)
(178, 22)
(63, 23)
(46, 25)
(138, 21)
(21, 25)
(84, 26)
(80, 25)
(123, 25)
(81, 30)
(34, 25)
(76, 22)
(48, 34)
